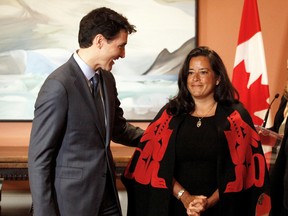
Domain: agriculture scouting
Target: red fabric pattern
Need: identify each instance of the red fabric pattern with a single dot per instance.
(241, 140)
(156, 137)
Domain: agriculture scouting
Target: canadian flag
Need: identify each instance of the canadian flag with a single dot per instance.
(250, 76)
(250, 73)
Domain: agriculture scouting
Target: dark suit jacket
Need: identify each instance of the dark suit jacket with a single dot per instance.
(279, 174)
(69, 158)
(279, 117)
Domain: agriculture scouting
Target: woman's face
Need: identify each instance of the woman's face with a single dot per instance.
(201, 80)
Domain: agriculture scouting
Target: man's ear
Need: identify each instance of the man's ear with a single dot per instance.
(98, 40)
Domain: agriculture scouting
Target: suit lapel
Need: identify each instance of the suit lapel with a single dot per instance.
(107, 105)
(102, 121)
(80, 83)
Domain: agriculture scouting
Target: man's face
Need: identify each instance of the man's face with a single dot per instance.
(113, 50)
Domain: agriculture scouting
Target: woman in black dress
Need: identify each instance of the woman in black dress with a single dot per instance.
(201, 155)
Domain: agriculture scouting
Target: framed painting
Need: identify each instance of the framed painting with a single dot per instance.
(38, 36)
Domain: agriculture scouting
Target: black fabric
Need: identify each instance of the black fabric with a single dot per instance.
(196, 161)
(279, 116)
(279, 172)
(284, 212)
(279, 178)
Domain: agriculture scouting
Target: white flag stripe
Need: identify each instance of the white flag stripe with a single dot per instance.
(252, 52)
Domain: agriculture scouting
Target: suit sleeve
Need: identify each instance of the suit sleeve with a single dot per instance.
(47, 132)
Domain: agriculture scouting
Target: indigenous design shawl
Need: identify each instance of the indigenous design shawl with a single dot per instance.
(241, 167)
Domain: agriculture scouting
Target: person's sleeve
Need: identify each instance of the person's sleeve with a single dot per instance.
(47, 129)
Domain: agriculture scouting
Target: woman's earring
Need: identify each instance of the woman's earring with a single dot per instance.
(217, 82)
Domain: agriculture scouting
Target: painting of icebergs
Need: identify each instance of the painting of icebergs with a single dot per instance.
(38, 36)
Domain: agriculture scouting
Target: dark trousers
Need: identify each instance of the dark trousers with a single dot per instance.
(109, 205)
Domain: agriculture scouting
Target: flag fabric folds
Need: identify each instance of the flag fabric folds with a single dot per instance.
(250, 73)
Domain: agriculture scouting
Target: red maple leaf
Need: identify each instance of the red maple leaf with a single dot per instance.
(255, 97)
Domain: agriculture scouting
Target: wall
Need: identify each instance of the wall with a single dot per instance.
(219, 24)
(18, 133)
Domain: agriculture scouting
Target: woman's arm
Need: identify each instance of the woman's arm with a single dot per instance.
(186, 198)
(213, 199)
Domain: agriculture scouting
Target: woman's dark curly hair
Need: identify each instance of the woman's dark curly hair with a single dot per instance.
(224, 93)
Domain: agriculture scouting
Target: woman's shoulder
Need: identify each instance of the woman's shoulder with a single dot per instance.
(227, 109)
(237, 105)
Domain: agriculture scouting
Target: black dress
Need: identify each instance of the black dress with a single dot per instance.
(196, 161)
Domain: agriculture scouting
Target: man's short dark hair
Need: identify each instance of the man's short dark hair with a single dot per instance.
(102, 21)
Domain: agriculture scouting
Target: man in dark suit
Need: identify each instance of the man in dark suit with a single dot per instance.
(279, 174)
(70, 163)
